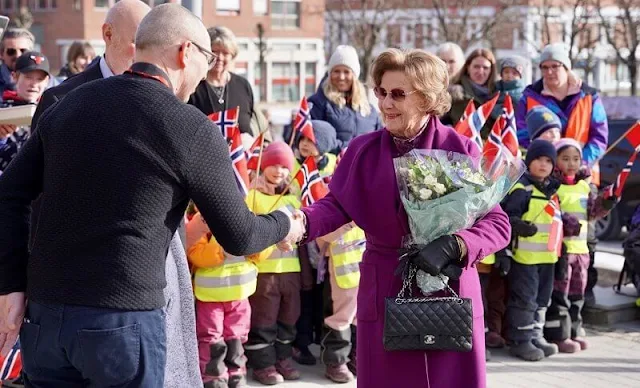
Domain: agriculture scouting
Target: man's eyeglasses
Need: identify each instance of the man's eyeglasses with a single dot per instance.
(553, 68)
(13, 52)
(396, 94)
(211, 57)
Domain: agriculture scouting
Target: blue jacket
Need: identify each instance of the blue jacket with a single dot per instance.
(347, 122)
(6, 82)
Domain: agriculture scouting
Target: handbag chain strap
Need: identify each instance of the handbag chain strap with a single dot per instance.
(406, 286)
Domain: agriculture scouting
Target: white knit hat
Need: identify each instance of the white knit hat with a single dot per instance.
(346, 56)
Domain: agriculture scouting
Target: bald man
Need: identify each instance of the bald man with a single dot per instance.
(118, 33)
(116, 162)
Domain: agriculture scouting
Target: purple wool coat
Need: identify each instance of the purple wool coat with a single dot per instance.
(364, 189)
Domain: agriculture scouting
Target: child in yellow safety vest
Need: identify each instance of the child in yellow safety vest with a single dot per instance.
(222, 285)
(311, 322)
(531, 273)
(579, 203)
(276, 303)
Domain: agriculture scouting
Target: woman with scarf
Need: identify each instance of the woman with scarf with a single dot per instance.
(476, 81)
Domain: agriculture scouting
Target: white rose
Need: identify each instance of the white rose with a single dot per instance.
(439, 188)
(425, 194)
(430, 180)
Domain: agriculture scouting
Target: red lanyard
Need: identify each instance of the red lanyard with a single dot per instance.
(151, 76)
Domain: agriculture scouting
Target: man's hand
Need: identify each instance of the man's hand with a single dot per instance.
(6, 130)
(296, 230)
(12, 309)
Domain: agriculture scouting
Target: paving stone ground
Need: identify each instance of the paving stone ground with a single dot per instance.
(613, 360)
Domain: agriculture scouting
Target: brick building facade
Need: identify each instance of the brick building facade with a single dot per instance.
(293, 35)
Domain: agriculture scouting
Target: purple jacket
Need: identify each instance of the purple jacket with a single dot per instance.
(598, 131)
(364, 189)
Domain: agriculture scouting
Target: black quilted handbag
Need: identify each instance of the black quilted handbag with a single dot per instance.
(427, 323)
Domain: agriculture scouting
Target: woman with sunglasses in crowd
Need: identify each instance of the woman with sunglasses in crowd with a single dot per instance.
(476, 81)
(411, 87)
(341, 99)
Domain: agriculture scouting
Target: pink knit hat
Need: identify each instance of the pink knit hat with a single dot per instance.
(568, 142)
(277, 153)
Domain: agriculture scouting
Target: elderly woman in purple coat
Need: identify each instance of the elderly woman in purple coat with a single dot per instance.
(412, 92)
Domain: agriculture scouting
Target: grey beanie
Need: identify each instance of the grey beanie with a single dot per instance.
(556, 52)
(347, 56)
(515, 62)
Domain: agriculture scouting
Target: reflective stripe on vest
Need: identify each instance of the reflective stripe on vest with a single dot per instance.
(346, 255)
(573, 201)
(234, 280)
(534, 250)
(281, 262)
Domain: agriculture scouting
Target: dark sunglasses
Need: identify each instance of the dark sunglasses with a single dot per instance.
(13, 52)
(396, 94)
(211, 57)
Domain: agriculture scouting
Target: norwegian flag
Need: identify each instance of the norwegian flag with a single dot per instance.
(633, 135)
(226, 119)
(616, 188)
(253, 155)
(509, 135)
(552, 208)
(238, 159)
(302, 123)
(228, 123)
(473, 124)
(468, 111)
(11, 366)
(312, 187)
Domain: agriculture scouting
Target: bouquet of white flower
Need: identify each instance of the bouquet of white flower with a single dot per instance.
(444, 192)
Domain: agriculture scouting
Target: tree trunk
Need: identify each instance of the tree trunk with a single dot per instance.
(633, 76)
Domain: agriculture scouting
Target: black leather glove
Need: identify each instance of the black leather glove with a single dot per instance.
(503, 263)
(441, 256)
(522, 228)
(562, 265)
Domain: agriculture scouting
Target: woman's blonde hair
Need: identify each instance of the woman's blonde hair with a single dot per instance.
(224, 37)
(486, 54)
(359, 101)
(79, 49)
(427, 73)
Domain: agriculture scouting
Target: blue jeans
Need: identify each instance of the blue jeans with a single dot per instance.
(75, 346)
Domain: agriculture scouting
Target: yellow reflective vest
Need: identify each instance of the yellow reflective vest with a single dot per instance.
(489, 260)
(534, 250)
(278, 261)
(234, 280)
(573, 201)
(346, 255)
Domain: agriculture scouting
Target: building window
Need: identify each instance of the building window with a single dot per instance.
(103, 3)
(257, 74)
(309, 78)
(285, 14)
(260, 7)
(285, 81)
(227, 7)
(77, 5)
(45, 4)
(8, 5)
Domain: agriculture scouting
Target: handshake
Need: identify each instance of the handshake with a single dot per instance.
(297, 229)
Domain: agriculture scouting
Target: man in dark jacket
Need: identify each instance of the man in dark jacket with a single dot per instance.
(116, 162)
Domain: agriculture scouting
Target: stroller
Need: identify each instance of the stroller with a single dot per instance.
(631, 270)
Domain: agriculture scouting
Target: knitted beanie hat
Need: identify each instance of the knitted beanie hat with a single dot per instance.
(326, 137)
(346, 56)
(556, 52)
(539, 119)
(539, 148)
(515, 62)
(277, 153)
(568, 142)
